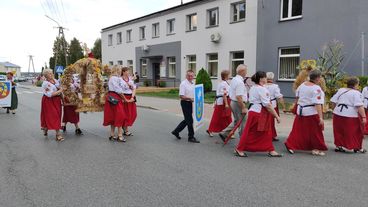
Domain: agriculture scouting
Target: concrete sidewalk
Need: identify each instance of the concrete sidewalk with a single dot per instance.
(173, 106)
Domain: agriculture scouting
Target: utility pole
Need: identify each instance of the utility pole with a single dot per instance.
(61, 44)
(363, 53)
(29, 64)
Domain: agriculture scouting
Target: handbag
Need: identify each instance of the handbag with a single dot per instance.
(113, 100)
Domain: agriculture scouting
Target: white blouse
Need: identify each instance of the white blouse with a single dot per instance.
(128, 86)
(365, 97)
(49, 88)
(115, 84)
(258, 96)
(275, 93)
(309, 95)
(222, 89)
(347, 102)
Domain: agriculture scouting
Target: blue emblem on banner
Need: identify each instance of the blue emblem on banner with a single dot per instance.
(199, 103)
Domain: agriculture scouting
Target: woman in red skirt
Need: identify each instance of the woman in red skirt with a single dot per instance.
(221, 117)
(307, 131)
(257, 135)
(51, 105)
(130, 107)
(276, 98)
(114, 115)
(347, 125)
(70, 114)
(365, 101)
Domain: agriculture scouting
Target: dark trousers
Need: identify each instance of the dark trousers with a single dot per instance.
(186, 106)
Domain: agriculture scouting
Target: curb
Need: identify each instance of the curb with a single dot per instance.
(147, 107)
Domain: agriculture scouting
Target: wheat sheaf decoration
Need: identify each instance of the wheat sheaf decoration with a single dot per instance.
(91, 94)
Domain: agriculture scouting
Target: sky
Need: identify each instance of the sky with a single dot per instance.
(25, 30)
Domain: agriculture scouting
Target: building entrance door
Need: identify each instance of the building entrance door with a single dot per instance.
(156, 73)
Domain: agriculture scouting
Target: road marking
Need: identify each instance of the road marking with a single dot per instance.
(40, 92)
(29, 92)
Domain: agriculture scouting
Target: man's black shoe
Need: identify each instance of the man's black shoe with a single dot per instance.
(193, 140)
(176, 135)
(223, 138)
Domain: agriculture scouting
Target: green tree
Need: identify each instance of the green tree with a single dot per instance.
(75, 51)
(60, 46)
(204, 78)
(96, 50)
(52, 62)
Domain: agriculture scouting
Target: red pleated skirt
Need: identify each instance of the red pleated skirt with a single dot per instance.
(348, 132)
(70, 115)
(51, 113)
(273, 125)
(252, 139)
(366, 125)
(130, 109)
(306, 134)
(221, 118)
(114, 115)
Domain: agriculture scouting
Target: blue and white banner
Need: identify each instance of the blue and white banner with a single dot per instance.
(198, 107)
(5, 93)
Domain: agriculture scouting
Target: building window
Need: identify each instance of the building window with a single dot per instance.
(289, 59)
(156, 30)
(129, 35)
(212, 64)
(172, 66)
(212, 17)
(144, 67)
(118, 38)
(130, 66)
(238, 11)
(291, 9)
(142, 33)
(237, 58)
(171, 26)
(109, 40)
(192, 22)
(192, 63)
(120, 62)
(111, 63)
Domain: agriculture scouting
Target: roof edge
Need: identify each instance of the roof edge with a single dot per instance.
(152, 14)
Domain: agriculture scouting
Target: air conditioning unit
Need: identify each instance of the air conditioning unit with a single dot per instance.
(216, 37)
(145, 48)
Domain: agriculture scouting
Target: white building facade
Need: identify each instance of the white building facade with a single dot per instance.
(210, 34)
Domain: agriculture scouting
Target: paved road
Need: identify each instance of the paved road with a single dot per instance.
(154, 169)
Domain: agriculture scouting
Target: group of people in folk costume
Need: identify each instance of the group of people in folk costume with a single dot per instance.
(121, 114)
(120, 106)
(257, 123)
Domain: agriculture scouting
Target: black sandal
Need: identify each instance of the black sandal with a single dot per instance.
(63, 128)
(340, 149)
(78, 131)
(112, 138)
(363, 151)
(274, 155)
(128, 134)
(44, 132)
(236, 152)
(289, 150)
(121, 139)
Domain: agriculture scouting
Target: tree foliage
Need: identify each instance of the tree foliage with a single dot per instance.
(96, 50)
(60, 46)
(204, 78)
(75, 51)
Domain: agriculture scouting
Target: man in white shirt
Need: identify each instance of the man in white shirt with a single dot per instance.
(238, 96)
(186, 93)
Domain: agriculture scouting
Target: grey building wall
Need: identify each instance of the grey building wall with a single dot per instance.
(156, 54)
(322, 21)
